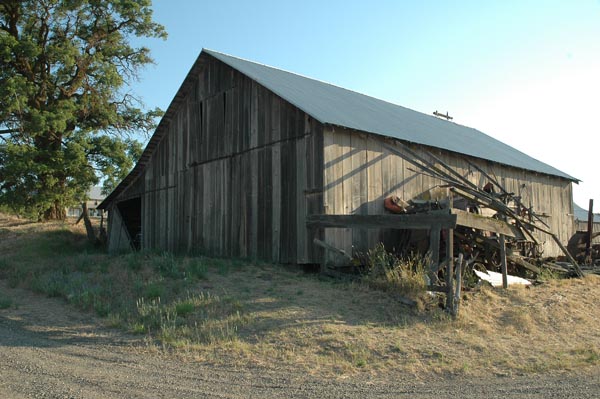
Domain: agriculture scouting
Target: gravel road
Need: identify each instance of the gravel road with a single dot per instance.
(48, 350)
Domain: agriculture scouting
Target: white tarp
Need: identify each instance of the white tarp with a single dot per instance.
(495, 279)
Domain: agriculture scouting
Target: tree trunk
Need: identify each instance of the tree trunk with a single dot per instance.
(55, 212)
(88, 224)
(53, 181)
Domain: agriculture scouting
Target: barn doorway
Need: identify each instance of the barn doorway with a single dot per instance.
(131, 213)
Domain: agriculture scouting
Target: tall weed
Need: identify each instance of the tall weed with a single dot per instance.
(386, 271)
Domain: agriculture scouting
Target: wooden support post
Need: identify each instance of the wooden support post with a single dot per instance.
(434, 248)
(590, 230)
(450, 267)
(324, 262)
(458, 289)
(89, 229)
(503, 261)
(449, 272)
(79, 219)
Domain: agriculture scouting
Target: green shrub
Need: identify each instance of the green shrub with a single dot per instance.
(4, 265)
(138, 328)
(53, 284)
(134, 261)
(197, 268)
(150, 313)
(167, 265)
(388, 272)
(201, 318)
(5, 302)
(184, 308)
(154, 290)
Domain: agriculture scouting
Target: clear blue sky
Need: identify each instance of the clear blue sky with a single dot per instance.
(524, 72)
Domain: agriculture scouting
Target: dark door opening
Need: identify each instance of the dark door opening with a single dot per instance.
(131, 212)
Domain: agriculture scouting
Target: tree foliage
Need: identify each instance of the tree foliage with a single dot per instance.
(66, 116)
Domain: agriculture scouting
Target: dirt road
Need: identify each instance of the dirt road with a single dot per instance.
(48, 350)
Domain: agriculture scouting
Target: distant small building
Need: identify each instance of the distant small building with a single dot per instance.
(581, 214)
(95, 197)
(581, 219)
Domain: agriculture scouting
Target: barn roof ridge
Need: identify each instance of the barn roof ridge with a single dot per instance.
(212, 52)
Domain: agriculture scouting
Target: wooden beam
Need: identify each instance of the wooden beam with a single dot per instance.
(555, 267)
(416, 221)
(590, 229)
(525, 264)
(503, 261)
(450, 272)
(333, 249)
(486, 223)
(458, 289)
(437, 288)
(493, 203)
(450, 266)
(567, 254)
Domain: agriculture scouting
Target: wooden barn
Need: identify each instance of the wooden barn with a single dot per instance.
(246, 152)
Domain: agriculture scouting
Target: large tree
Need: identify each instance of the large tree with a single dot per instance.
(66, 113)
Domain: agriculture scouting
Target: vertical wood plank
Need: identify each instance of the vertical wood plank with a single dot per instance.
(450, 272)
(253, 216)
(387, 177)
(359, 193)
(301, 231)
(374, 184)
(261, 194)
(503, 261)
(206, 208)
(276, 202)
(292, 202)
(284, 232)
(330, 196)
(314, 161)
(345, 178)
(199, 243)
(254, 116)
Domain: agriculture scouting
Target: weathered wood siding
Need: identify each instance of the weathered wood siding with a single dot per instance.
(359, 173)
(581, 225)
(235, 174)
(118, 238)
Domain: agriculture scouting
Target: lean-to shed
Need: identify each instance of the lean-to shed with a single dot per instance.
(245, 152)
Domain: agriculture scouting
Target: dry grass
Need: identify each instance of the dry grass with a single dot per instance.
(340, 329)
(260, 314)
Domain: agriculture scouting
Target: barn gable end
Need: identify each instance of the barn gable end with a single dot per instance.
(234, 173)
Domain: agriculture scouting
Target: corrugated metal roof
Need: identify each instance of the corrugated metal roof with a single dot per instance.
(330, 104)
(581, 214)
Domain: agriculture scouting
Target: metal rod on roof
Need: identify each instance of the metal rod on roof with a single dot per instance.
(446, 116)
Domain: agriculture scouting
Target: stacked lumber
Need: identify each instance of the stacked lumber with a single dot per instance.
(479, 245)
